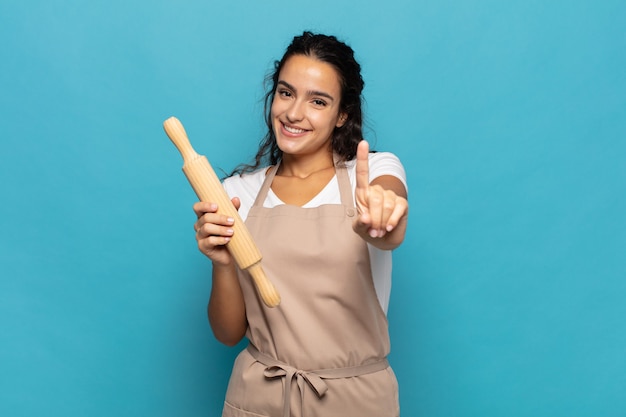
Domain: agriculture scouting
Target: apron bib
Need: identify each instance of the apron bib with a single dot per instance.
(322, 351)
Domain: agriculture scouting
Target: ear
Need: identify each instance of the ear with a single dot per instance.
(342, 119)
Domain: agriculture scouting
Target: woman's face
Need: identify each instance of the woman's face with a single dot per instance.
(306, 104)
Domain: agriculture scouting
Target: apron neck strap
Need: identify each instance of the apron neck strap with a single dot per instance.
(269, 177)
(345, 189)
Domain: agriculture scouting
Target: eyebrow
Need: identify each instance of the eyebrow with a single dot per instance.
(310, 92)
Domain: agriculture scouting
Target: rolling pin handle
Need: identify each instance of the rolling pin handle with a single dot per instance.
(177, 134)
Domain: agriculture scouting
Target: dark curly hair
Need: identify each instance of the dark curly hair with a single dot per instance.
(340, 56)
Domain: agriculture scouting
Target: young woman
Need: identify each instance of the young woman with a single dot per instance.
(325, 213)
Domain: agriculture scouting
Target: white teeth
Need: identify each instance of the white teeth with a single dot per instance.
(293, 129)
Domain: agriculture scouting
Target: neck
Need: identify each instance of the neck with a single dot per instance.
(303, 167)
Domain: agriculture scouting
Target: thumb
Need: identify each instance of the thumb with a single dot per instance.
(236, 202)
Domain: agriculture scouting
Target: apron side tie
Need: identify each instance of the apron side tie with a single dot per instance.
(315, 379)
(282, 371)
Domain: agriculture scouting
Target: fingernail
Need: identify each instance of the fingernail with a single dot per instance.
(389, 228)
(230, 220)
(213, 206)
(230, 231)
(373, 233)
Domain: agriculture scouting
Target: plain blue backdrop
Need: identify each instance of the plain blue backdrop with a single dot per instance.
(510, 117)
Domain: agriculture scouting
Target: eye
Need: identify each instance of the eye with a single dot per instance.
(318, 102)
(284, 93)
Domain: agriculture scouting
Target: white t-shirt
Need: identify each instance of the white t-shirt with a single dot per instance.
(247, 186)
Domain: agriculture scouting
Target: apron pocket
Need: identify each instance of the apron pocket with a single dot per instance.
(249, 392)
(232, 411)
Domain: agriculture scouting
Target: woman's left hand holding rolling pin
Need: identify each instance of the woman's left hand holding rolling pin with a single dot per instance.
(227, 313)
(382, 205)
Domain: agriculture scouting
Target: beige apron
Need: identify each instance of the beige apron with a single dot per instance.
(322, 351)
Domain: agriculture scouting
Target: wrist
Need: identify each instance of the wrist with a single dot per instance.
(224, 269)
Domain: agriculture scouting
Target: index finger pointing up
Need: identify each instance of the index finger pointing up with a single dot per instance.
(362, 166)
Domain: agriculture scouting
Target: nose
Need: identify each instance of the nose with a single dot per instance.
(295, 112)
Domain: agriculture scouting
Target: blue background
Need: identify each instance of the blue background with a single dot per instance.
(509, 293)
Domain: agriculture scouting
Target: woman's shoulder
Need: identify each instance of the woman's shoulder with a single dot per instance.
(378, 158)
(385, 160)
(246, 186)
(381, 163)
(248, 183)
(247, 177)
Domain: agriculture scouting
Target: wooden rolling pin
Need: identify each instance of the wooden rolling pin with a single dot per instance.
(208, 188)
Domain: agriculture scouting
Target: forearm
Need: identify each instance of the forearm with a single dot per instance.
(226, 310)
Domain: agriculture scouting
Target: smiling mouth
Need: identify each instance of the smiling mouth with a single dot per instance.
(293, 130)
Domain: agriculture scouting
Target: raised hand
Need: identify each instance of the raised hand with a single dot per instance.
(382, 204)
